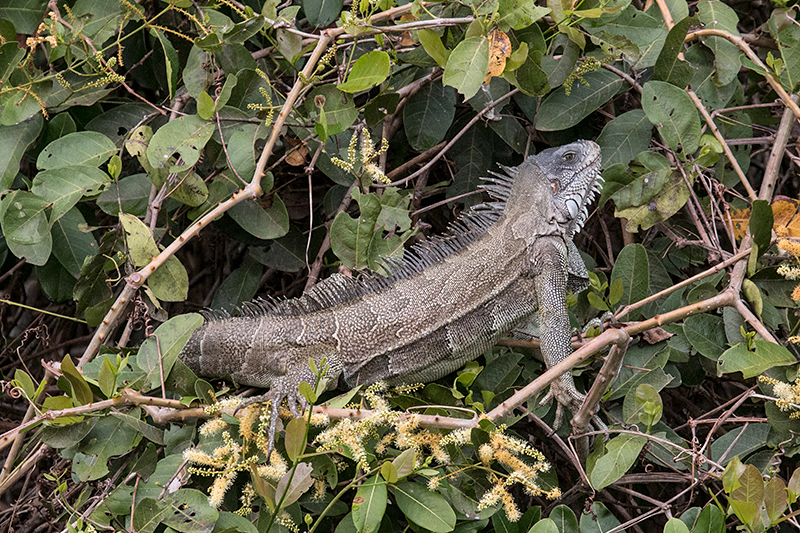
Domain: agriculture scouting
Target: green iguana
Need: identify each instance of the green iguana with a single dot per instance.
(446, 302)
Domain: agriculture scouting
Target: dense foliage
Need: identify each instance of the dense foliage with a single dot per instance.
(130, 135)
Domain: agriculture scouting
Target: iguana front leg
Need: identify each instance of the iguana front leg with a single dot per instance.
(548, 258)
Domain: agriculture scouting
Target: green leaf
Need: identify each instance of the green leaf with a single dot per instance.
(668, 200)
(80, 388)
(559, 111)
(295, 438)
(633, 268)
(321, 12)
(108, 438)
(65, 186)
(185, 510)
(25, 226)
(87, 148)
(24, 381)
(428, 114)
(242, 31)
(141, 245)
(775, 498)
(467, 65)
(301, 481)
(158, 352)
(674, 525)
(706, 333)
(599, 519)
(171, 62)
(426, 509)
(71, 244)
(339, 110)
(564, 518)
(239, 287)
(405, 462)
(519, 14)
(669, 67)
(738, 358)
(15, 140)
(205, 106)
(432, 44)
(264, 223)
(369, 70)
(472, 154)
(673, 112)
(351, 238)
(750, 492)
(761, 220)
(716, 15)
(787, 33)
(545, 525)
(625, 137)
(704, 81)
(621, 452)
(186, 136)
(369, 504)
(389, 472)
(646, 32)
(149, 432)
(650, 401)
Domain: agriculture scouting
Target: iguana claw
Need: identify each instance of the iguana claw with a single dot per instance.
(297, 405)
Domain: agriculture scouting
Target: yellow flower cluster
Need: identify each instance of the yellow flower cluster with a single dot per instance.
(368, 153)
(790, 272)
(267, 98)
(507, 451)
(788, 394)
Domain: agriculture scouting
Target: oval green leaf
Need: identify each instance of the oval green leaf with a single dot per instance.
(559, 111)
(369, 70)
(88, 148)
(466, 66)
(185, 136)
(673, 112)
(621, 453)
(369, 504)
(425, 508)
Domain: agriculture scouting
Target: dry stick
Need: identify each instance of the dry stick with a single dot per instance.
(533, 388)
(620, 340)
(727, 149)
(16, 433)
(127, 397)
(539, 384)
(778, 148)
(29, 463)
(424, 156)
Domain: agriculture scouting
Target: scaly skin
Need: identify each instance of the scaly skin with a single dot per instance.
(447, 302)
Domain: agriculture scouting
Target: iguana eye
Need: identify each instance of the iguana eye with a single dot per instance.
(569, 156)
(554, 185)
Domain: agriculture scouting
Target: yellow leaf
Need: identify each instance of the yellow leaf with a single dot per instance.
(499, 51)
(741, 220)
(405, 37)
(783, 211)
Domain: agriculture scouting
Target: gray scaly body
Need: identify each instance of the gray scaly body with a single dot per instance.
(445, 303)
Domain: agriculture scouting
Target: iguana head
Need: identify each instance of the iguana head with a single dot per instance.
(551, 190)
(574, 174)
